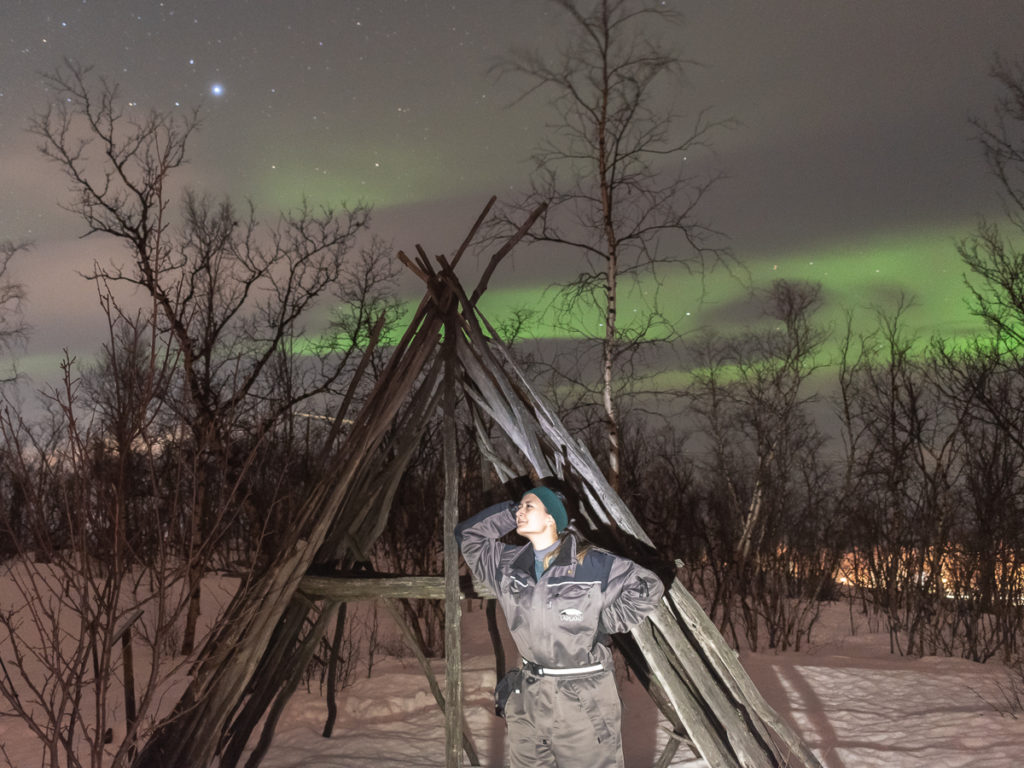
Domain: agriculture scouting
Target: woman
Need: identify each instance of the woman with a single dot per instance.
(561, 598)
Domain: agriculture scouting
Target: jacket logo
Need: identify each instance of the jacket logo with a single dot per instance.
(570, 614)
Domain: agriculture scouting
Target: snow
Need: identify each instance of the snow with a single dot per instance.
(869, 710)
(856, 705)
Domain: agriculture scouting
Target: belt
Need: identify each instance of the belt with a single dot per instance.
(539, 671)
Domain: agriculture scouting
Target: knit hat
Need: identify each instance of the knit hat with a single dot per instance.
(552, 504)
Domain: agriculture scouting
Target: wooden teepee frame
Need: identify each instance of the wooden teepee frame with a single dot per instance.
(253, 660)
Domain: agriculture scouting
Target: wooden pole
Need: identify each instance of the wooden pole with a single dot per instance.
(453, 603)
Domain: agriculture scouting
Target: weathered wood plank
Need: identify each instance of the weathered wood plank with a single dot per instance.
(349, 589)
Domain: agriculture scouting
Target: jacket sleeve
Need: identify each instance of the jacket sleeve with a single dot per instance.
(478, 540)
(632, 593)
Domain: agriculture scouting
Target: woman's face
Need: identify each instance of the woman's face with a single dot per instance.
(532, 517)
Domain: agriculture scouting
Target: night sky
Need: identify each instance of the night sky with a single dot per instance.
(852, 163)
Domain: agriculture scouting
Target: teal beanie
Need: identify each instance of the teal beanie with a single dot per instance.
(552, 504)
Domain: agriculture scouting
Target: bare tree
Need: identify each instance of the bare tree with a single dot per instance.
(1002, 144)
(12, 326)
(617, 175)
(995, 277)
(92, 581)
(905, 447)
(978, 613)
(769, 527)
(231, 294)
(982, 611)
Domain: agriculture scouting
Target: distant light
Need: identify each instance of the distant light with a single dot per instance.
(217, 89)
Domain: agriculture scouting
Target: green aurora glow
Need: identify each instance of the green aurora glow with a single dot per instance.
(864, 277)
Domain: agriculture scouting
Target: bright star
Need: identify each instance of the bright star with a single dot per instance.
(217, 89)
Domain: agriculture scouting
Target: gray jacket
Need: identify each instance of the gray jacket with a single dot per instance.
(563, 619)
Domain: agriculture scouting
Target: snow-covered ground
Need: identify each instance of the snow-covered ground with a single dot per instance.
(854, 703)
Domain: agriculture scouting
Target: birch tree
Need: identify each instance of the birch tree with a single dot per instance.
(615, 170)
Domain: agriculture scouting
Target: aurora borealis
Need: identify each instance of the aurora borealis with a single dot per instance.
(852, 162)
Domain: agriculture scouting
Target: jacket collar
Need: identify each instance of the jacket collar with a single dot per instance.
(566, 556)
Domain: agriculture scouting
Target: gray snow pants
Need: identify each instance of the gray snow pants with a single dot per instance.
(565, 722)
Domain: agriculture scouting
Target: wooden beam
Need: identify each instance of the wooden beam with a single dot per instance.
(344, 589)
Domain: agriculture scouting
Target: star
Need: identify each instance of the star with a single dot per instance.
(217, 89)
